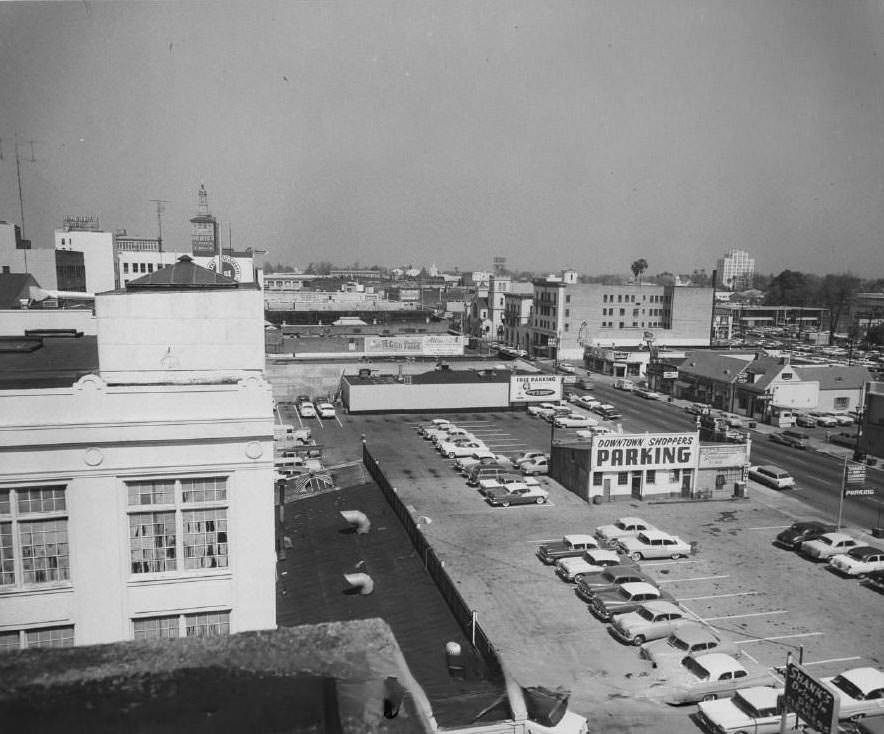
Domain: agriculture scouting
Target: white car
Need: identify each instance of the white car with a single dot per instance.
(307, 409)
(541, 408)
(843, 419)
(529, 456)
(586, 401)
(575, 420)
(461, 448)
(653, 544)
(860, 692)
(539, 465)
(826, 546)
(751, 709)
(858, 561)
(772, 476)
(433, 425)
(526, 496)
(431, 432)
(451, 434)
(510, 484)
(824, 419)
(623, 527)
(325, 410)
(482, 456)
(593, 431)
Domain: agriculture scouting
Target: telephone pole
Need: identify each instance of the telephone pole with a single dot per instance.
(160, 209)
(21, 198)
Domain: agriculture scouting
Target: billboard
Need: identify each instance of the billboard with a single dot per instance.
(645, 451)
(815, 704)
(429, 345)
(536, 388)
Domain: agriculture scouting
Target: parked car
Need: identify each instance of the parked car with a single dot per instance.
(691, 638)
(584, 383)
(875, 580)
(653, 544)
(429, 432)
(805, 420)
(696, 408)
(772, 476)
(529, 456)
(843, 419)
(567, 368)
(860, 692)
(751, 710)
(710, 676)
(795, 439)
(503, 484)
(588, 433)
(570, 546)
(826, 546)
(798, 532)
(587, 401)
(526, 496)
(540, 408)
(574, 420)
(608, 579)
(624, 384)
(307, 409)
(622, 527)
(607, 411)
(453, 449)
(651, 621)
(590, 563)
(478, 472)
(450, 433)
(480, 457)
(325, 409)
(625, 598)
(824, 419)
(538, 466)
(858, 562)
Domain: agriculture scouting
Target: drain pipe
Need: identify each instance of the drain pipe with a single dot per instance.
(361, 581)
(357, 518)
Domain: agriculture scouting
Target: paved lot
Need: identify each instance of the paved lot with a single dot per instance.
(769, 600)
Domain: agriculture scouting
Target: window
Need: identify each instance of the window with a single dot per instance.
(202, 624)
(62, 636)
(597, 479)
(567, 299)
(674, 475)
(841, 403)
(567, 311)
(33, 536)
(650, 476)
(185, 528)
(622, 478)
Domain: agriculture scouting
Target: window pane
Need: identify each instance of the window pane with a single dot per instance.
(152, 542)
(208, 625)
(44, 551)
(51, 637)
(4, 502)
(41, 499)
(151, 493)
(205, 539)
(156, 628)
(7, 567)
(9, 641)
(211, 489)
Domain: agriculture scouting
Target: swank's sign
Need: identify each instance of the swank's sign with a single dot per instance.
(645, 451)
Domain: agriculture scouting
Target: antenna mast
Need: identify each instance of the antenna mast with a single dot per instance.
(160, 209)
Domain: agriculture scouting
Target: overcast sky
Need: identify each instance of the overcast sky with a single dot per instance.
(582, 134)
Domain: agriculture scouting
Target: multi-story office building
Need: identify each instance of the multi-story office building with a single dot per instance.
(570, 317)
(17, 256)
(83, 234)
(736, 270)
(136, 469)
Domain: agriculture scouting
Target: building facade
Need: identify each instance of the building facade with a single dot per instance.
(83, 234)
(136, 500)
(736, 270)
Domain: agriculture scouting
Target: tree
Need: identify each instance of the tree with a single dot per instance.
(321, 268)
(792, 288)
(837, 293)
(665, 278)
(638, 267)
(701, 278)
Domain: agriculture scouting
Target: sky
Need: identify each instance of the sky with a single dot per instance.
(555, 134)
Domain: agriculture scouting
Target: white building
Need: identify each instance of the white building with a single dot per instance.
(736, 270)
(17, 256)
(82, 234)
(136, 483)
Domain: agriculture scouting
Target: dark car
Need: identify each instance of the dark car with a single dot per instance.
(625, 598)
(589, 584)
(795, 535)
(795, 439)
(570, 546)
(875, 580)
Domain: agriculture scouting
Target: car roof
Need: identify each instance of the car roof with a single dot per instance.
(836, 536)
(694, 632)
(866, 679)
(661, 606)
(580, 538)
(632, 521)
(639, 587)
(718, 662)
(602, 554)
(654, 533)
(772, 468)
(761, 697)
(863, 550)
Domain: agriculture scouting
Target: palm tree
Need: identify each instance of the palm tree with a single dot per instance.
(638, 267)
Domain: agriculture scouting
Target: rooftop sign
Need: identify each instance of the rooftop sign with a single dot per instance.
(645, 451)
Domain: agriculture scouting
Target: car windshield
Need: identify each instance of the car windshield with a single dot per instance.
(747, 708)
(624, 594)
(694, 667)
(620, 524)
(646, 614)
(824, 539)
(678, 643)
(849, 688)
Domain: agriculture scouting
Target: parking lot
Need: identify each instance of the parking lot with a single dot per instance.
(770, 601)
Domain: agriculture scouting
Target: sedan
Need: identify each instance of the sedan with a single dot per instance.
(530, 456)
(653, 544)
(574, 420)
(325, 410)
(751, 709)
(586, 401)
(826, 546)
(570, 546)
(608, 579)
(711, 676)
(538, 466)
(805, 421)
(307, 409)
(843, 419)
(824, 419)
(591, 563)
(858, 562)
(482, 456)
(464, 448)
(625, 598)
(691, 638)
(860, 692)
(651, 621)
(623, 527)
(527, 496)
(793, 536)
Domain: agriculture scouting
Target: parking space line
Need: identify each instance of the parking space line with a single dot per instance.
(833, 660)
(721, 596)
(778, 637)
(770, 527)
(749, 614)
(695, 578)
(668, 563)
(754, 660)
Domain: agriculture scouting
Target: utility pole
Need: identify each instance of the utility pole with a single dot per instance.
(160, 209)
(21, 198)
